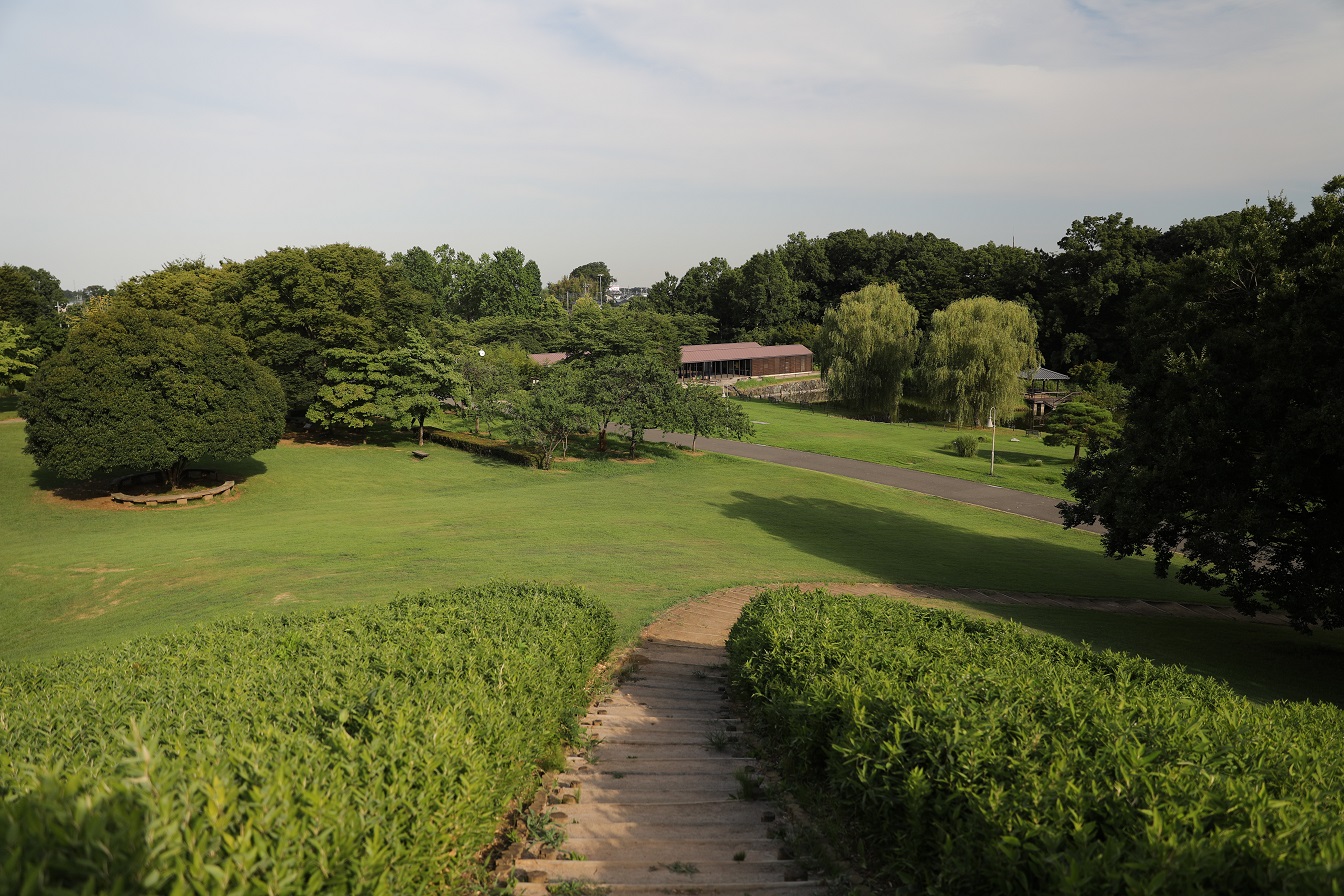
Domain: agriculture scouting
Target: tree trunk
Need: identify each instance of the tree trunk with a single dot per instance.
(173, 474)
(1077, 447)
(602, 437)
(422, 432)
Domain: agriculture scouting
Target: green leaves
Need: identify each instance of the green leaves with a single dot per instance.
(976, 757)
(136, 389)
(868, 346)
(369, 750)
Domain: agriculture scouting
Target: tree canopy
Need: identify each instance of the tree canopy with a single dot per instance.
(142, 390)
(868, 347)
(973, 356)
(1228, 451)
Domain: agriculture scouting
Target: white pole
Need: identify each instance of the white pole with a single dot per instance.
(993, 442)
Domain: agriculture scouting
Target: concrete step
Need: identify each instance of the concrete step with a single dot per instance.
(609, 750)
(658, 796)
(697, 888)
(613, 727)
(722, 850)
(680, 767)
(737, 812)
(754, 829)
(676, 873)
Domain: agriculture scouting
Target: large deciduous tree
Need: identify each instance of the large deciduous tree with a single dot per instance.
(974, 354)
(142, 390)
(16, 356)
(552, 410)
(868, 347)
(1230, 451)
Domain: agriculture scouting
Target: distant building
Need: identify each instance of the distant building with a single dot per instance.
(727, 359)
(724, 359)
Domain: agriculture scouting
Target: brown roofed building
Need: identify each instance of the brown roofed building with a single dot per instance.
(743, 359)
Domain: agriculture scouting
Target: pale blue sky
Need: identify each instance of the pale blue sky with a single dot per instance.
(651, 135)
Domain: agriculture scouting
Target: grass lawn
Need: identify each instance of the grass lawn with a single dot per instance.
(318, 526)
(919, 446)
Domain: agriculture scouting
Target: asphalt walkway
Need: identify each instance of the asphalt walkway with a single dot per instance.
(1007, 500)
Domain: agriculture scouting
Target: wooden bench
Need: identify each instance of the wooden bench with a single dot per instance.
(419, 455)
(155, 500)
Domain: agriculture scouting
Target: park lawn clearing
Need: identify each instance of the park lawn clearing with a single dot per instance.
(317, 526)
(918, 446)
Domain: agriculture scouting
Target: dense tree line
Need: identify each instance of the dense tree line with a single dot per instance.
(1213, 346)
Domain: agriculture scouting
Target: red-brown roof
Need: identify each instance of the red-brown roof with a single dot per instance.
(546, 359)
(739, 351)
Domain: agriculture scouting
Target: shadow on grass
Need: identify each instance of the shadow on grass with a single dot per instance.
(1013, 458)
(89, 490)
(888, 545)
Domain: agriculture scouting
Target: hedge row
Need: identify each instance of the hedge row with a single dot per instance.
(975, 757)
(466, 441)
(368, 750)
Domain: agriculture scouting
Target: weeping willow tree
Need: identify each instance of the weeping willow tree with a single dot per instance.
(868, 347)
(973, 354)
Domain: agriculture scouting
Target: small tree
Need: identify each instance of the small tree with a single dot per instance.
(554, 409)
(703, 411)
(488, 377)
(1080, 424)
(973, 355)
(867, 349)
(136, 389)
(413, 381)
(16, 356)
(349, 399)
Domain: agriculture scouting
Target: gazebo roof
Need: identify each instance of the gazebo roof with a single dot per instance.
(1042, 373)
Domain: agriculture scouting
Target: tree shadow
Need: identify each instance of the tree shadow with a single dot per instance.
(381, 436)
(91, 490)
(889, 545)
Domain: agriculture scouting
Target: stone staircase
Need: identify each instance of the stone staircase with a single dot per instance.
(667, 803)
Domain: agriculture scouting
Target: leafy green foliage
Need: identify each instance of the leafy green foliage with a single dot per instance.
(974, 757)
(367, 750)
(143, 390)
(1080, 424)
(1226, 451)
(16, 356)
(553, 410)
(973, 353)
(700, 410)
(486, 447)
(867, 349)
(965, 446)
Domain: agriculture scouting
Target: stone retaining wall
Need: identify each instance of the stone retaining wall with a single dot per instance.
(208, 494)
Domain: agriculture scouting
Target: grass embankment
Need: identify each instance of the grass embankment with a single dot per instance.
(920, 446)
(970, 757)
(319, 526)
(366, 750)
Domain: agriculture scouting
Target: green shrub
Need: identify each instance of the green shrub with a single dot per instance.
(965, 446)
(975, 757)
(368, 750)
(1035, 462)
(466, 441)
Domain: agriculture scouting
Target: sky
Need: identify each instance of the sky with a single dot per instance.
(650, 135)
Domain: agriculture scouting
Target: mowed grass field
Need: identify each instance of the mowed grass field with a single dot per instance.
(919, 446)
(317, 526)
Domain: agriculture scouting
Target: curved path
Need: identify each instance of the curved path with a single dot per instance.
(1037, 507)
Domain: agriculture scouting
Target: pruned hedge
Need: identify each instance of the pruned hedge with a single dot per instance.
(366, 750)
(976, 757)
(466, 441)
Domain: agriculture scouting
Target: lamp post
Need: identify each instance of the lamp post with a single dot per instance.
(993, 442)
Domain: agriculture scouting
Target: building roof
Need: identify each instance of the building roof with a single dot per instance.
(546, 359)
(1042, 373)
(739, 351)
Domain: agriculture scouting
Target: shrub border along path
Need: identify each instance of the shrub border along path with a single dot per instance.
(654, 800)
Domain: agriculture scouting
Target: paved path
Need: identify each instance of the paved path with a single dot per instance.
(1037, 507)
(659, 807)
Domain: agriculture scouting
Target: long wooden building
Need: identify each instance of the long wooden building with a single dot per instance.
(743, 359)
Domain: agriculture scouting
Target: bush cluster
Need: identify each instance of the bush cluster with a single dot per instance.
(966, 446)
(976, 757)
(366, 750)
(466, 441)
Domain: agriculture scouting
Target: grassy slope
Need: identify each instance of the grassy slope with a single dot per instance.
(320, 526)
(919, 446)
